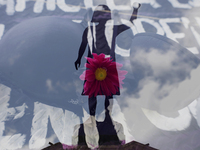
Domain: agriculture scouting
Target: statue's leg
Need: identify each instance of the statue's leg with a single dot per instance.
(90, 126)
(92, 105)
(108, 107)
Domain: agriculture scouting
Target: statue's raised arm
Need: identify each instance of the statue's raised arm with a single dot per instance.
(123, 27)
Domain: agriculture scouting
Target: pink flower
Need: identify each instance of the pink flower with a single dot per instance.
(102, 76)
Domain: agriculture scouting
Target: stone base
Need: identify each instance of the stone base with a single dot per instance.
(107, 133)
(129, 146)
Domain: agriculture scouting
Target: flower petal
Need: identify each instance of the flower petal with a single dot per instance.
(110, 86)
(89, 76)
(122, 72)
(95, 55)
(100, 91)
(93, 62)
(104, 63)
(114, 79)
(119, 65)
(97, 89)
(93, 88)
(87, 87)
(112, 71)
(82, 76)
(105, 89)
(91, 67)
(101, 57)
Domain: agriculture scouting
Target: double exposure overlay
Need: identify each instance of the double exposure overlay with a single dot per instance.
(112, 74)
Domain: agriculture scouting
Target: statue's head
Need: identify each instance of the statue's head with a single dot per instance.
(102, 12)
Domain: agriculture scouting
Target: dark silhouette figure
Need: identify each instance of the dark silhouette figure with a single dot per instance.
(100, 44)
(97, 43)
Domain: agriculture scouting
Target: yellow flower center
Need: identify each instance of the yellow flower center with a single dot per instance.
(100, 74)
